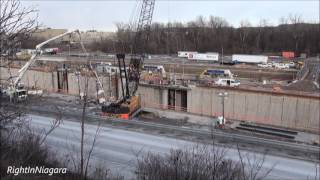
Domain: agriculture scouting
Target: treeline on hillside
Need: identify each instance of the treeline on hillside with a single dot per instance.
(214, 34)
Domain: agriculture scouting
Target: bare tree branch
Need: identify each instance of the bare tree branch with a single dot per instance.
(17, 23)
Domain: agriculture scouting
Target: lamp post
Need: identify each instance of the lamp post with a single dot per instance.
(223, 95)
(77, 73)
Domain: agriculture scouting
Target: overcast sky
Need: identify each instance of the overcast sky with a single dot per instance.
(102, 15)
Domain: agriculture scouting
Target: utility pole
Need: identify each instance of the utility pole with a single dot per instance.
(183, 60)
(222, 54)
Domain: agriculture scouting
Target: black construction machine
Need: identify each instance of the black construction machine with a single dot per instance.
(129, 76)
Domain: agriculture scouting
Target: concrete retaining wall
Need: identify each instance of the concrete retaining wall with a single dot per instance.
(287, 111)
(49, 81)
(272, 109)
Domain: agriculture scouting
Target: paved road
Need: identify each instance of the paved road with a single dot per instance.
(117, 149)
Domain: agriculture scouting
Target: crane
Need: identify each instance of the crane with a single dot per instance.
(16, 90)
(130, 78)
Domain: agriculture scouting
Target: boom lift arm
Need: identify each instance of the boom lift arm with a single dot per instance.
(15, 85)
(24, 69)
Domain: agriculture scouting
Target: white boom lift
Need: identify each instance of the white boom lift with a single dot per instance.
(16, 90)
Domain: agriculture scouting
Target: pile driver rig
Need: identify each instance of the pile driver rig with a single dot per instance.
(129, 103)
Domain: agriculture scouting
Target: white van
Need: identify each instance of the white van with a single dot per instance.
(227, 82)
(154, 69)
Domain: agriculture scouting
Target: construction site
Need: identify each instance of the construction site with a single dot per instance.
(282, 98)
(273, 96)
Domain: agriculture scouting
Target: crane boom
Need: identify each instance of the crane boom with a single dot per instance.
(138, 50)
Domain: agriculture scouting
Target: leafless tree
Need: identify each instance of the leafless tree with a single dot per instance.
(214, 33)
(252, 166)
(85, 98)
(17, 23)
(86, 156)
(198, 162)
(297, 34)
(260, 33)
(244, 31)
(21, 144)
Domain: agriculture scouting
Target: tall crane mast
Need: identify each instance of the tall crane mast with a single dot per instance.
(139, 44)
(130, 86)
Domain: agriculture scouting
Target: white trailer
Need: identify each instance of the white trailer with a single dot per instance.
(245, 58)
(204, 56)
(185, 54)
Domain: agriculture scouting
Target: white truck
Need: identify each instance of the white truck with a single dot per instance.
(204, 57)
(185, 54)
(245, 58)
(227, 82)
(268, 65)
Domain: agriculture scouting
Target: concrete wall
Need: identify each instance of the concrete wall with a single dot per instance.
(294, 112)
(42, 80)
(272, 109)
(152, 97)
(48, 81)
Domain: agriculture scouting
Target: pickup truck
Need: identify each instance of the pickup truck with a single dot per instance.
(227, 82)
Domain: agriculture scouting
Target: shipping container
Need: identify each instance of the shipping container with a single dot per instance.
(185, 54)
(204, 56)
(288, 54)
(244, 58)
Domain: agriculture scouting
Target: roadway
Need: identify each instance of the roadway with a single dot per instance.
(118, 149)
